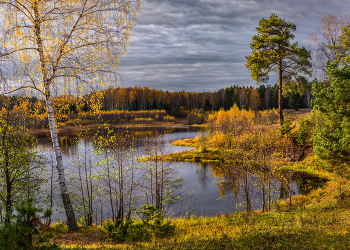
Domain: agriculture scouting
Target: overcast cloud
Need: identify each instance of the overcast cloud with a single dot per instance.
(200, 45)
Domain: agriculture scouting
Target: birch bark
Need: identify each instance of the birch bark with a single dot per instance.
(68, 207)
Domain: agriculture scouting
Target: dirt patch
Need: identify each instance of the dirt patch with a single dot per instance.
(84, 236)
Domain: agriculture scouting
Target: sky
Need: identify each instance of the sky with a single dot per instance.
(200, 45)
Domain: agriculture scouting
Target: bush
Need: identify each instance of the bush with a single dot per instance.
(195, 117)
(24, 233)
(141, 120)
(132, 231)
(127, 230)
(158, 227)
(303, 132)
(161, 229)
(60, 227)
(286, 128)
(138, 232)
(169, 118)
(202, 146)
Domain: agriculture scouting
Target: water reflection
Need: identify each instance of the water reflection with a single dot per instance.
(67, 140)
(215, 188)
(204, 177)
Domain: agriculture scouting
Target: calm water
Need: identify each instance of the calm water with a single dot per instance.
(202, 180)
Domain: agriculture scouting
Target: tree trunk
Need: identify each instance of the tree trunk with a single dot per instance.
(8, 203)
(269, 195)
(110, 187)
(280, 92)
(72, 223)
(308, 98)
(81, 187)
(48, 222)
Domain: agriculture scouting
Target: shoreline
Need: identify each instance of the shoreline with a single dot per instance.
(306, 166)
(65, 130)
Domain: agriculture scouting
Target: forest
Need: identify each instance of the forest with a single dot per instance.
(144, 105)
(174, 103)
(102, 170)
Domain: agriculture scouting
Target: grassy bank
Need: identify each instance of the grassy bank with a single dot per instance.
(195, 155)
(317, 221)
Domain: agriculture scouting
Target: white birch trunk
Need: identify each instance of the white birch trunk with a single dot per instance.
(68, 207)
(72, 223)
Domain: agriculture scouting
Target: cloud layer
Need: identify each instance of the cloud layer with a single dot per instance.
(200, 45)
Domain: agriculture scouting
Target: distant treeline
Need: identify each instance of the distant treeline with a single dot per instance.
(178, 103)
(31, 113)
(122, 104)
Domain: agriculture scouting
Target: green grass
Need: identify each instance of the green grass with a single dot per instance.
(310, 165)
(196, 155)
(314, 226)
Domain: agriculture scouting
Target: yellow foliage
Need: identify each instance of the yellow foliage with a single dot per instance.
(66, 43)
(231, 122)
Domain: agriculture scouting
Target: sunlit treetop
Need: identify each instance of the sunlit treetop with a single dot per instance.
(81, 41)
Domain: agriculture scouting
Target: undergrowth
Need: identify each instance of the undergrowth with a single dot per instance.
(319, 223)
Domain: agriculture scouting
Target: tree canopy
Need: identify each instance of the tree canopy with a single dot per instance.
(342, 49)
(326, 43)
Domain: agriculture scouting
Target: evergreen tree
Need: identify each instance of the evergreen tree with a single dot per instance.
(331, 138)
(207, 105)
(272, 51)
(219, 104)
(295, 99)
(135, 105)
(261, 91)
(275, 96)
(248, 99)
(229, 96)
(154, 105)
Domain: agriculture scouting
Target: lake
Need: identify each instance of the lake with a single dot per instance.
(203, 192)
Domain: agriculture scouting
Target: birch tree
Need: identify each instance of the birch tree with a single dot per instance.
(64, 44)
(325, 42)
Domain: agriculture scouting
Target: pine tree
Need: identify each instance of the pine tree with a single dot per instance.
(275, 96)
(272, 51)
(295, 99)
(207, 105)
(331, 138)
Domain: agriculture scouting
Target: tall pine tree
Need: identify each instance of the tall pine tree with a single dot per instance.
(272, 51)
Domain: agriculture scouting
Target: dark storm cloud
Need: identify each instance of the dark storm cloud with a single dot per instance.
(200, 45)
